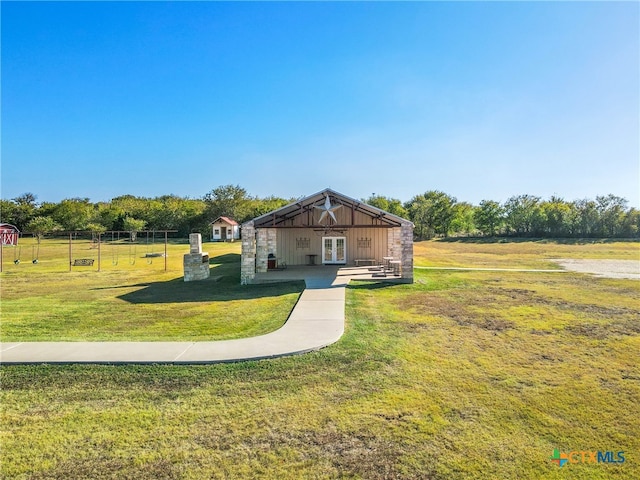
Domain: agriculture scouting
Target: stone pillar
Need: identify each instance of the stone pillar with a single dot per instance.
(266, 243)
(196, 262)
(406, 241)
(394, 245)
(272, 241)
(262, 251)
(248, 265)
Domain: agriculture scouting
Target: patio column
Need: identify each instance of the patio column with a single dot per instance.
(394, 244)
(248, 265)
(406, 242)
(262, 250)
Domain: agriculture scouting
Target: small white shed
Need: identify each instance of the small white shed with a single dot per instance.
(224, 229)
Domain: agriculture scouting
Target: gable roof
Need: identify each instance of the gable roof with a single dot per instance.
(225, 220)
(9, 227)
(288, 212)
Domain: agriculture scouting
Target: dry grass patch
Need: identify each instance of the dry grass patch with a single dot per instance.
(518, 253)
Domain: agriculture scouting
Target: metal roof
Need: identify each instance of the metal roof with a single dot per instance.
(226, 220)
(278, 217)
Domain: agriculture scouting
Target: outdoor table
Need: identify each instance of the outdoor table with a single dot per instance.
(385, 262)
(395, 265)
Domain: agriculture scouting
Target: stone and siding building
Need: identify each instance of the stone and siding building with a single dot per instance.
(327, 228)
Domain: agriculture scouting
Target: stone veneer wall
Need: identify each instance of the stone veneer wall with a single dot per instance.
(406, 241)
(248, 266)
(196, 262)
(400, 246)
(266, 243)
(394, 247)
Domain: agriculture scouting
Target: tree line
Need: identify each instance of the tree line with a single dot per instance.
(434, 213)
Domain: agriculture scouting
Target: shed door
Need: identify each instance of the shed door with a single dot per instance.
(334, 250)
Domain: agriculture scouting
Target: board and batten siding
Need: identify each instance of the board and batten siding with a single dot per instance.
(294, 244)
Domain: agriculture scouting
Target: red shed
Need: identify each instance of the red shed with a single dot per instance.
(9, 234)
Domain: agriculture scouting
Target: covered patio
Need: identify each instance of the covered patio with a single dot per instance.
(323, 230)
(320, 273)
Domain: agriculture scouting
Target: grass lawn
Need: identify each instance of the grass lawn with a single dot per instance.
(518, 253)
(135, 299)
(459, 375)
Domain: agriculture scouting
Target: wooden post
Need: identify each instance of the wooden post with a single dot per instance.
(99, 235)
(70, 261)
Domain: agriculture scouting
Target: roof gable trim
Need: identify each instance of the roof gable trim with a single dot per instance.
(303, 205)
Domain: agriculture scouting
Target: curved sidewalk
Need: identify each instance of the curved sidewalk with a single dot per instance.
(316, 321)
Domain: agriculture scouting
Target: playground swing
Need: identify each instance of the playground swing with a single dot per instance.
(17, 250)
(150, 253)
(35, 253)
(89, 260)
(114, 249)
(132, 253)
(95, 240)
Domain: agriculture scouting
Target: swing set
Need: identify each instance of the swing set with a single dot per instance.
(116, 243)
(113, 241)
(17, 253)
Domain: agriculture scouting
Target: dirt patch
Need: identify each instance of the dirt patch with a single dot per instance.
(603, 268)
(454, 307)
(601, 331)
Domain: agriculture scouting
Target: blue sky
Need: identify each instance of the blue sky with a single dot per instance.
(482, 100)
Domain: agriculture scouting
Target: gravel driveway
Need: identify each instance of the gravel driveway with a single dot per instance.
(603, 268)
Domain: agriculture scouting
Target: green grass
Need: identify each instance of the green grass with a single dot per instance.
(136, 301)
(459, 375)
(518, 253)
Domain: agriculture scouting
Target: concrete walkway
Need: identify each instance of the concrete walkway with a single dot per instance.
(316, 321)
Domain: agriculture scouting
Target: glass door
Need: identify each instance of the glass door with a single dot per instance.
(340, 251)
(334, 250)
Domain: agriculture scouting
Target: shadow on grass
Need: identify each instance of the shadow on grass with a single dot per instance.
(370, 285)
(214, 289)
(560, 241)
(225, 259)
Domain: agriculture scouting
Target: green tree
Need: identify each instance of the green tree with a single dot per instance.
(631, 224)
(130, 206)
(40, 226)
(170, 212)
(584, 218)
(489, 217)
(229, 201)
(260, 206)
(133, 226)
(463, 219)
(432, 213)
(73, 214)
(108, 215)
(612, 211)
(388, 204)
(523, 215)
(557, 214)
(8, 210)
(25, 210)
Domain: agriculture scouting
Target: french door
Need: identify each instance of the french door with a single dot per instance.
(334, 250)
